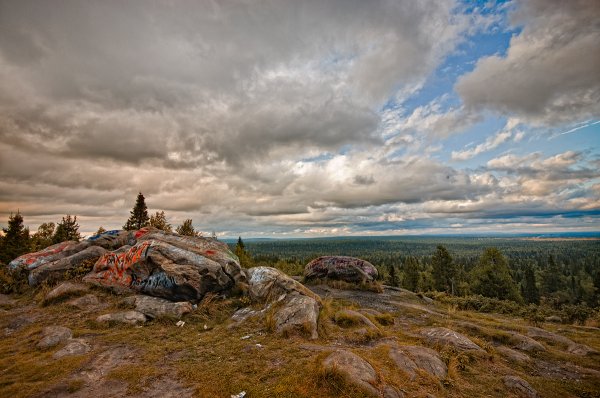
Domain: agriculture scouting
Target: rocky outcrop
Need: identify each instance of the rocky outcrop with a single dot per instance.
(165, 265)
(513, 355)
(349, 269)
(354, 369)
(572, 347)
(524, 343)
(446, 336)
(54, 271)
(410, 359)
(295, 309)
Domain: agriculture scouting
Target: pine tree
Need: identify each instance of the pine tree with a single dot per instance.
(43, 237)
(16, 239)
(187, 229)
(138, 217)
(159, 220)
(444, 270)
(552, 280)
(411, 274)
(67, 229)
(100, 230)
(530, 290)
(491, 277)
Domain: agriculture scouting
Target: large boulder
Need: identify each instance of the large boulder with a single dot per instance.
(412, 358)
(349, 269)
(50, 254)
(55, 271)
(295, 308)
(178, 268)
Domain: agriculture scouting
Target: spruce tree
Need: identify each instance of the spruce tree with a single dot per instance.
(443, 270)
(411, 274)
(16, 239)
(393, 275)
(491, 277)
(530, 290)
(138, 217)
(552, 280)
(67, 229)
(245, 257)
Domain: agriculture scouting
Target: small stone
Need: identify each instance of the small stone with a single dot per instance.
(411, 358)
(356, 370)
(391, 392)
(74, 347)
(128, 317)
(84, 302)
(519, 386)
(53, 336)
(153, 307)
(64, 290)
(525, 343)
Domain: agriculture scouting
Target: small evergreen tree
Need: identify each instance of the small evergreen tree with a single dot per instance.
(530, 290)
(411, 274)
(138, 217)
(491, 277)
(187, 229)
(159, 220)
(16, 239)
(245, 257)
(393, 276)
(43, 237)
(100, 230)
(443, 271)
(67, 229)
(552, 280)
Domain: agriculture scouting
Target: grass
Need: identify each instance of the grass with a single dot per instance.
(217, 361)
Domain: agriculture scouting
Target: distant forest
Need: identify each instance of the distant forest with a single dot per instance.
(559, 274)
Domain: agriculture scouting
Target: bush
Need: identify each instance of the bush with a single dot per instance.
(12, 281)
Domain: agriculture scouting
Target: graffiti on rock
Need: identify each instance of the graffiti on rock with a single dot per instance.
(114, 232)
(34, 260)
(112, 267)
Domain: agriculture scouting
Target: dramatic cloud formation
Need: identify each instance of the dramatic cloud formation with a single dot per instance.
(302, 117)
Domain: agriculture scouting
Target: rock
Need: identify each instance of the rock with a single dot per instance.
(53, 336)
(111, 240)
(391, 392)
(48, 255)
(129, 317)
(295, 308)
(154, 307)
(165, 265)
(524, 343)
(572, 347)
(87, 301)
(353, 368)
(513, 355)
(449, 337)
(349, 269)
(554, 319)
(581, 349)
(519, 386)
(411, 358)
(74, 347)
(55, 271)
(347, 317)
(64, 290)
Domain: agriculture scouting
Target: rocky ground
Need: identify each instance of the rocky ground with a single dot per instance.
(82, 341)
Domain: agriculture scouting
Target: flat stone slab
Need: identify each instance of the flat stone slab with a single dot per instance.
(154, 307)
(525, 343)
(128, 317)
(73, 347)
(447, 336)
(513, 355)
(53, 336)
(412, 358)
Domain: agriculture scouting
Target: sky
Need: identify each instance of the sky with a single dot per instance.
(303, 118)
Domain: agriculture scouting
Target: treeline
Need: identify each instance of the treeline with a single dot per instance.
(16, 239)
(553, 273)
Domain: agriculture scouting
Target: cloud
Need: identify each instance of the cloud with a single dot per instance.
(489, 144)
(551, 72)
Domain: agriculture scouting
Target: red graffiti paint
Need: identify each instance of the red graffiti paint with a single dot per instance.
(112, 268)
(141, 232)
